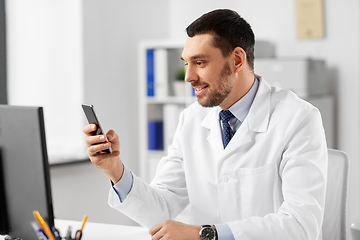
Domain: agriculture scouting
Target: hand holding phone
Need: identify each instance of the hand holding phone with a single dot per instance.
(93, 119)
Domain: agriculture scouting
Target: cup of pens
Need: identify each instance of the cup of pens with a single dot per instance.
(78, 233)
(43, 231)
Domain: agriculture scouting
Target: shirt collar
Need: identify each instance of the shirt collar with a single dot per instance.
(241, 108)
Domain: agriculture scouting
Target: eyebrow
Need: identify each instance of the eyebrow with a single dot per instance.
(197, 57)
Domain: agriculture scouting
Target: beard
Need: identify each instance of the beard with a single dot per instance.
(219, 93)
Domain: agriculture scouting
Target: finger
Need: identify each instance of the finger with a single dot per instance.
(94, 140)
(94, 149)
(89, 129)
(155, 229)
(99, 158)
(98, 149)
(112, 136)
(158, 235)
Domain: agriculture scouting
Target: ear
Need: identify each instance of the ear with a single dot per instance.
(239, 59)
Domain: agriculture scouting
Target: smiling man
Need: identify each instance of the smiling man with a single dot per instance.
(214, 76)
(248, 159)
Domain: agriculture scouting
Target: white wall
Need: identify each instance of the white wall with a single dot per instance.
(112, 29)
(276, 21)
(45, 68)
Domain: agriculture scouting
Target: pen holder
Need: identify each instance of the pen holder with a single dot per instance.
(78, 234)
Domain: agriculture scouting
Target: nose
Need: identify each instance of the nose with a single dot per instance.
(191, 74)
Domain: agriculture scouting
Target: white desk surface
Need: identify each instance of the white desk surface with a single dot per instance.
(97, 231)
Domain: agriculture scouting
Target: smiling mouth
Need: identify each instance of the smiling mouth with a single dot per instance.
(199, 90)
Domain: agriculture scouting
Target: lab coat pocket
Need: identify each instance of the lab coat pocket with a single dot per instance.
(258, 190)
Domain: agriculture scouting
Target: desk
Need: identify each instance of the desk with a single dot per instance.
(96, 231)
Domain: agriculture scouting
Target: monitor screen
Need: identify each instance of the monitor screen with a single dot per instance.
(25, 182)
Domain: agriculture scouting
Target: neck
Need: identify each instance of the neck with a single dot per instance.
(242, 85)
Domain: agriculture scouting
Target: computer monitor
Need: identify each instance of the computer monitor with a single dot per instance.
(25, 182)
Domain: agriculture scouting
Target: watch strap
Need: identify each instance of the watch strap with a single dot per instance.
(204, 226)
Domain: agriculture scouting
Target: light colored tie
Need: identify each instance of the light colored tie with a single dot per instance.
(225, 116)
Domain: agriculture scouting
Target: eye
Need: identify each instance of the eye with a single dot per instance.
(200, 63)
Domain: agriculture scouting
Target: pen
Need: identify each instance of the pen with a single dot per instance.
(43, 225)
(84, 221)
(79, 233)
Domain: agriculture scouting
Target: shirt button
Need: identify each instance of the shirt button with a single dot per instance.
(226, 179)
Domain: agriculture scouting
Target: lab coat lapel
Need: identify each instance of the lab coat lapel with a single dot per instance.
(211, 122)
(259, 115)
(241, 137)
(256, 121)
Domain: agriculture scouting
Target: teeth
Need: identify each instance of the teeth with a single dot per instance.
(198, 89)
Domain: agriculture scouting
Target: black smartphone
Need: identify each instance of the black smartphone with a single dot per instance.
(93, 119)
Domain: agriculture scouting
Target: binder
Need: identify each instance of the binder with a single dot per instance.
(161, 74)
(150, 72)
(155, 135)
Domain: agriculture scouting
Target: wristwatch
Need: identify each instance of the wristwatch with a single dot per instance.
(207, 232)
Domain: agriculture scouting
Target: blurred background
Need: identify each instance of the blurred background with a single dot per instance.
(61, 53)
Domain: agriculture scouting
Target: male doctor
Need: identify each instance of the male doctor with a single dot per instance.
(249, 159)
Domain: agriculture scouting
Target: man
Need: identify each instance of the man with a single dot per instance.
(257, 171)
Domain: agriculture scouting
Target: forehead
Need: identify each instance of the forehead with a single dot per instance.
(199, 45)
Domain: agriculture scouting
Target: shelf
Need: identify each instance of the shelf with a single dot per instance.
(161, 98)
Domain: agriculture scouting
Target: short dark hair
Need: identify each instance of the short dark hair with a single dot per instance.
(229, 29)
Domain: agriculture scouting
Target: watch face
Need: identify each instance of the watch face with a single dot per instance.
(207, 234)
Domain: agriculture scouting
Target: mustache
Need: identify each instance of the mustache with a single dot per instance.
(199, 84)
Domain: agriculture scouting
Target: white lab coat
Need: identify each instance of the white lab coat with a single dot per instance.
(269, 182)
